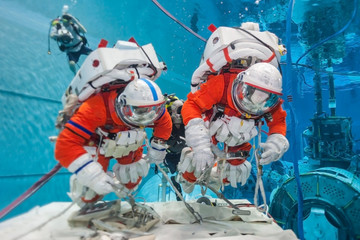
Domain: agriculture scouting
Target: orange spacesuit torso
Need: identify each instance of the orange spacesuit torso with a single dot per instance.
(211, 93)
(217, 91)
(79, 131)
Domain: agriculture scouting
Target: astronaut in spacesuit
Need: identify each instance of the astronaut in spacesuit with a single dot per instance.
(110, 125)
(227, 109)
(236, 86)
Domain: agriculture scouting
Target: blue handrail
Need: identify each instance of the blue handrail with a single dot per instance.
(292, 114)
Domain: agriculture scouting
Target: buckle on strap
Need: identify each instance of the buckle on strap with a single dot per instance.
(238, 154)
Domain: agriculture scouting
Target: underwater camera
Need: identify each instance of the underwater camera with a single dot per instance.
(65, 36)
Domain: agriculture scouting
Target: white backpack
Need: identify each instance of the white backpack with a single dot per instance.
(106, 68)
(243, 46)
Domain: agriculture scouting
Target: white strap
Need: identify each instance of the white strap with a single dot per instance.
(133, 173)
(124, 177)
(121, 151)
(232, 176)
(237, 125)
(122, 138)
(246, 170)
(124, 143)
(109, 147)
(132, 134)
(233, 131)
(259, 183)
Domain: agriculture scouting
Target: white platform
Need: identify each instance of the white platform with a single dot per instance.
(50, 222)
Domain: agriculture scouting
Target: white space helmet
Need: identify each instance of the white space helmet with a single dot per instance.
(141, 103)
(256, 90)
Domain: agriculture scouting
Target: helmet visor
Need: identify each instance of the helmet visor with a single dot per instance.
(252, 100)
(142, 115)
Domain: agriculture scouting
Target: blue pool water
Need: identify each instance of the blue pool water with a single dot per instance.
(32, 82)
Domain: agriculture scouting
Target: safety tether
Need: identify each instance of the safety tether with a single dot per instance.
(259, 183)
(44, 179)
(176, 20)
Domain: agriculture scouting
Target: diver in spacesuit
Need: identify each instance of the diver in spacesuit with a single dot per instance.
(228, 108)
(110, 125)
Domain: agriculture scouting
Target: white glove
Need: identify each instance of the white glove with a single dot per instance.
(273, 149)
(198, 138)
(92, 175)
(185, 164)
(156, 151)
(79, 195)
(127, 173)
(237, 173)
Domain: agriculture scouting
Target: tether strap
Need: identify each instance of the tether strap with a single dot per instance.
(210, 65)
(226, 54)
(109, 122)
(238, 154)
(270, 58)
(220, 107)
(223, 100)
(44, 179)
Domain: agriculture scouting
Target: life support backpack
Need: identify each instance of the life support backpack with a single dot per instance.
(106, 69)
(232, 50)
(235, 49)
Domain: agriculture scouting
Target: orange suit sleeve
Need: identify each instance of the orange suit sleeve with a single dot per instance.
(202, 100)
(278, 124)
(163, 126)
(78, 130)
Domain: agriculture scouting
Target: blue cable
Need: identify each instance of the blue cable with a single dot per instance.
(29, 96)
(292, 114)
(334, 35)
(177, 21)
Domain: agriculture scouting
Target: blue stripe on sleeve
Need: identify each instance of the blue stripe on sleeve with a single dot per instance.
(80, 127)
(80, 168)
